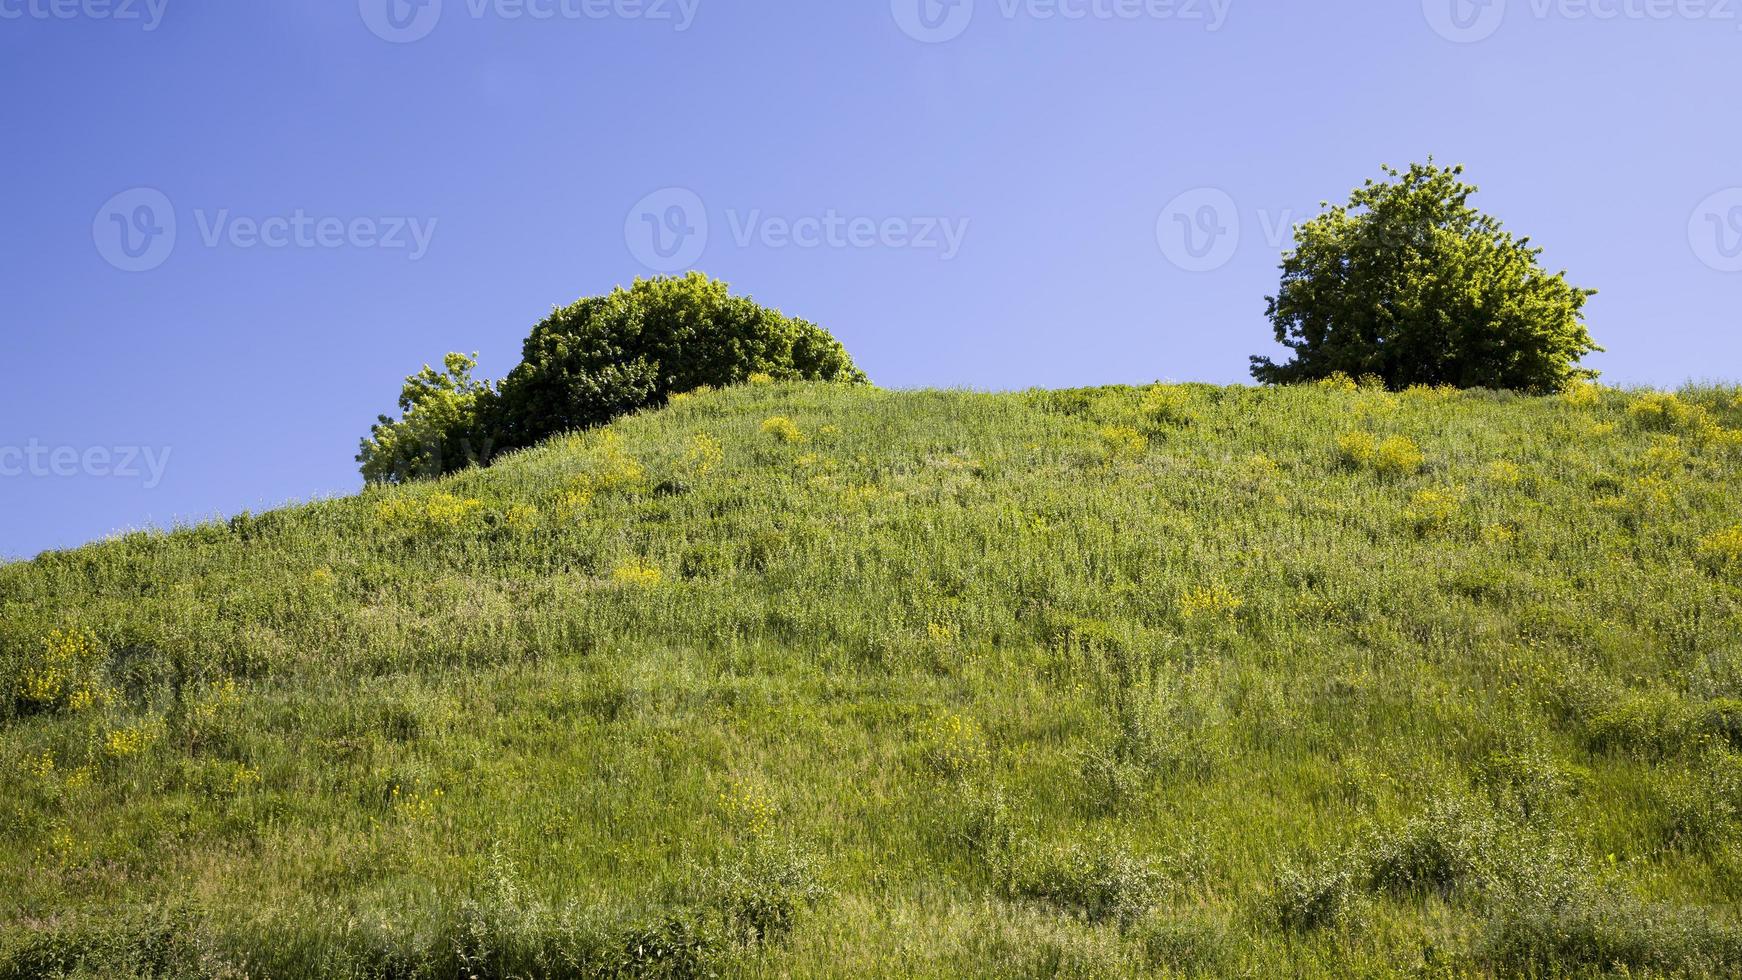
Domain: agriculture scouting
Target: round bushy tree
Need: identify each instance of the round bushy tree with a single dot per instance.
(587, 363)
(1409, 283)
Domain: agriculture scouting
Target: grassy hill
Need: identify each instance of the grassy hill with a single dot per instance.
(800, 680)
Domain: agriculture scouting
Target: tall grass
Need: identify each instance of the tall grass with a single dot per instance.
(799, 680)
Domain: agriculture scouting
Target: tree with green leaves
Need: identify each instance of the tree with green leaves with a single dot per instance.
(1409, 283)
(447, 426)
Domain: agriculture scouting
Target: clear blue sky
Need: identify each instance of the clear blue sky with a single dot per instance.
(353, 189)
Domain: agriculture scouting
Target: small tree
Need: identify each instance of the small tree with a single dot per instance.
(591, 362)
(1409, 283)
(447, 426)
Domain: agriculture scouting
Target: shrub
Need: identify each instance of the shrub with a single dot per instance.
(1442, 851)
(703, 456)
(783, 429)
(591, 362)
(1167, 405)
(1098, 881)
(1722, 552)
(1647, 725)
(1453, 847)
(1722, 719)
(588, 363)
(1357, 449)
(1527, 783)
(1503, 473)
(762, 895)
(1213, 602)
(1587, 932)
(1665, 411)
(1309, 900)
(1124, 443)
(1395, 456)
(1433, 511)
(446, 427)
(63, 673)
(1583, 394)
(1409, 283)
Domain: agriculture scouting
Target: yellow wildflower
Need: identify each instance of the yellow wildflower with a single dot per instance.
(783, 429)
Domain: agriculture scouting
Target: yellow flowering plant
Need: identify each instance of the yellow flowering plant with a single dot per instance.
(65, 672)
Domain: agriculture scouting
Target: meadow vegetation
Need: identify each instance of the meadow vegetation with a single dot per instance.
(822, 679)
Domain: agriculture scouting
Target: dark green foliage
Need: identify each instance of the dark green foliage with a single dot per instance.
(602, 357)
(591, 362)
(1409, 283)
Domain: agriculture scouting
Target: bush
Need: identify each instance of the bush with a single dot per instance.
(1586, 931)
(1442, 851)
(1309, 900)
(762, 895)
(446, 427)
(64, 672)
(1409, 283)
(588, 363)
(1097, 880)
(1396, 456)
(602, 357)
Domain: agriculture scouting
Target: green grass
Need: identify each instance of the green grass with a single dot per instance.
(1172, 681)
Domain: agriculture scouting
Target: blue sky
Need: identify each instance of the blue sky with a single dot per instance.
(232, 228)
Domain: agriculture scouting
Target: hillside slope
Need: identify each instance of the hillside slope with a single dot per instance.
(798, 680)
